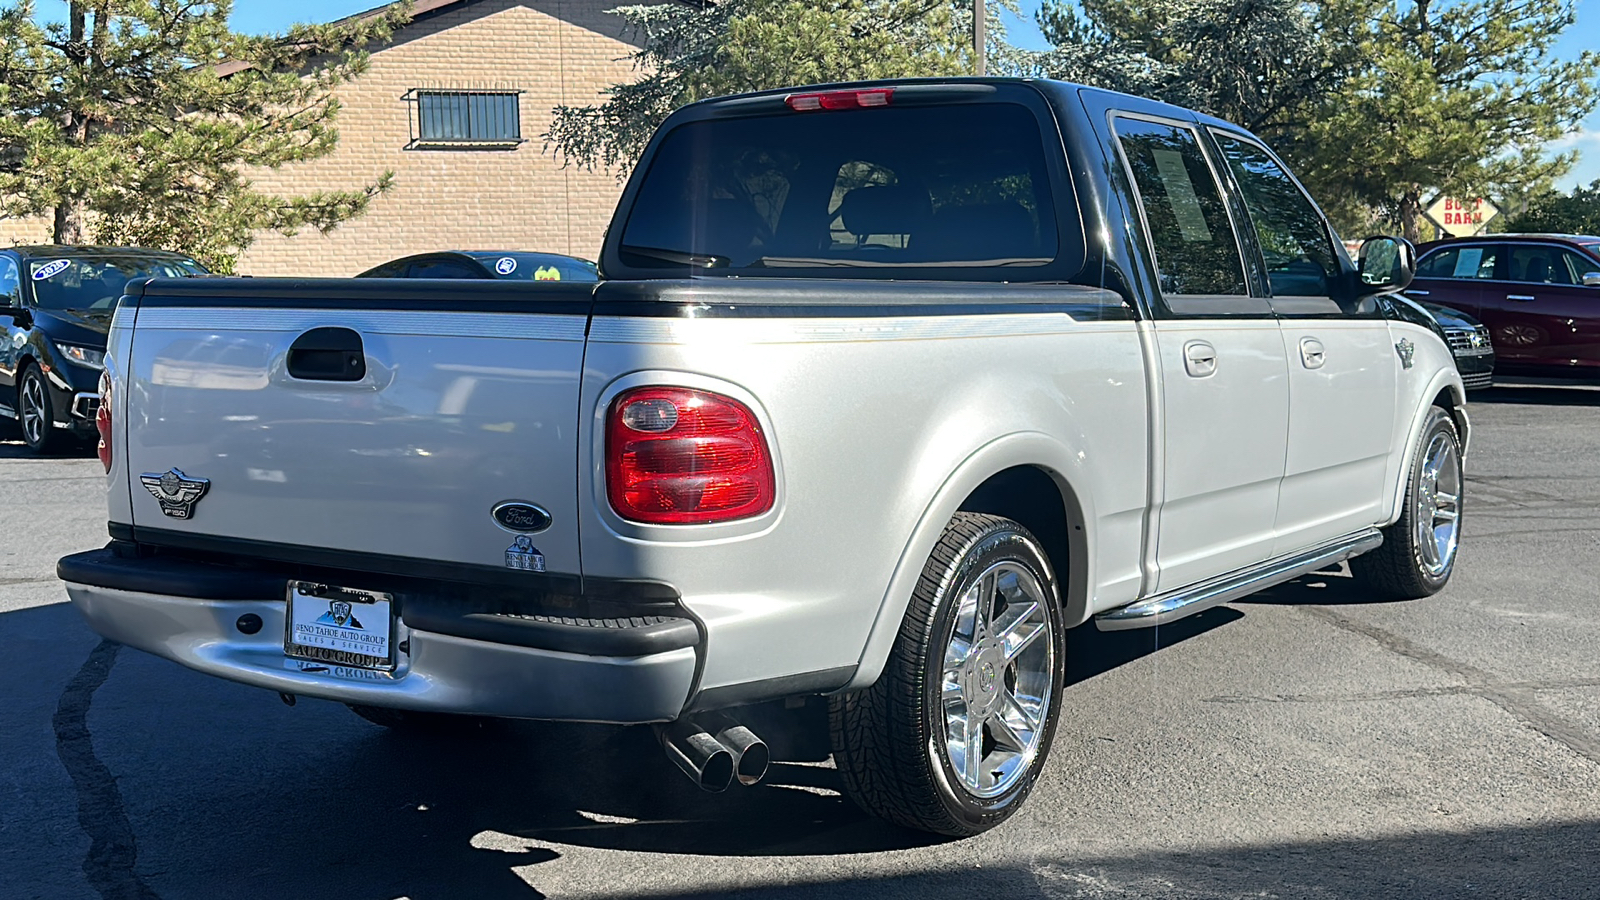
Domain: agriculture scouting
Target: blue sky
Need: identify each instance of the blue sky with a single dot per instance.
(276, 15)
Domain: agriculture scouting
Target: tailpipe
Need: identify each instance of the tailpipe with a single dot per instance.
(750, 754)
(702, 757)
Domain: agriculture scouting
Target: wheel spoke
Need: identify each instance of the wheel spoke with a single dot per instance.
(1029, 720)
(950, 691)
(956, 653)
(972, 748)
(1017, 640)
(1006, 736)
(983, 618)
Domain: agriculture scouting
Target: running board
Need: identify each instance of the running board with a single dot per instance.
(1169, 607)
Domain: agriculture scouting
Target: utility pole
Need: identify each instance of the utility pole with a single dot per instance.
(979, 48)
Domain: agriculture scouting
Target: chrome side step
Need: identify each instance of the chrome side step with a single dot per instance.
(1174, 605)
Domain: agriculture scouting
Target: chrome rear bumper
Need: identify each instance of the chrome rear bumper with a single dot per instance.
(440, 673)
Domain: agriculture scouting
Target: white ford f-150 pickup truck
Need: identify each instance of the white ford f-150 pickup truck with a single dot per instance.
(886, 386)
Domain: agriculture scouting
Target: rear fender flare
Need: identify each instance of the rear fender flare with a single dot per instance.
(1063, 463)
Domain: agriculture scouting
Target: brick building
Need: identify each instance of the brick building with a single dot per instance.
(455, 106)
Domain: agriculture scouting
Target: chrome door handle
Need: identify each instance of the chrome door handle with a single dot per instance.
(1312, 353)
(1199, 359)
(1415, 293)
(1521, 298)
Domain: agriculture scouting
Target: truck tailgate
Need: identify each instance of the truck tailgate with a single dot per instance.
(466, 400)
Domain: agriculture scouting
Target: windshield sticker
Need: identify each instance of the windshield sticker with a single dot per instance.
(51, 268)
(505, 265)
(547, 274)
(1468, 262)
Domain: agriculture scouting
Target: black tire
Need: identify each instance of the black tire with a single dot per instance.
(1405, 568)
(411, 720)
(891, 741)
(33, 397)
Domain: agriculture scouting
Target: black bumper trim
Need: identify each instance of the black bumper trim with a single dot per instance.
(635, 636)
(455, 610)
(603, 589)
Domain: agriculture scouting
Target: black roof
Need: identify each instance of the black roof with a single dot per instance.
(30, 251)
(1515, 236)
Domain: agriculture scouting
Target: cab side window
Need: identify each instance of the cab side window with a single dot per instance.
(10, 282)
(1460, 262)
(1301, 261)
(1196, 251)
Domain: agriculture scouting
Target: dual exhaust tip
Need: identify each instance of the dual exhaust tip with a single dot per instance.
(713, 750)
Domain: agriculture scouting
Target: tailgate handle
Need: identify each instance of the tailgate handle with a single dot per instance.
(328, 354)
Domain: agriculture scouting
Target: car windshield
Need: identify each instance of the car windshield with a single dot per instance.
(96, 282)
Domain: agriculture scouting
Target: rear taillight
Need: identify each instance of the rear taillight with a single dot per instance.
(102, 421)
(678, 457)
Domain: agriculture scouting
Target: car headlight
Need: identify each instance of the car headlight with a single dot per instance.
(83, 356)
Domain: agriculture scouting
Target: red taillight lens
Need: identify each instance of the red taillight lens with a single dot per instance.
(865, 99)
(102, 421)
(679, 457)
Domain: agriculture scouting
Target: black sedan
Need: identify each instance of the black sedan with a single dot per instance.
(1468, 339)
(508, 265)
(55, 311)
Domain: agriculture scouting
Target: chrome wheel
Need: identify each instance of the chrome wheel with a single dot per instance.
(999, 666)
(32, 410)
(1438, 518)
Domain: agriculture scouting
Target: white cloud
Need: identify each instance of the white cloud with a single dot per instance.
(1584, 139)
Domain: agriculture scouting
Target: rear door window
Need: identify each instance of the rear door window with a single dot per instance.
(859, 193)
(1547, 264)
(1186, 219)
(1298, 250)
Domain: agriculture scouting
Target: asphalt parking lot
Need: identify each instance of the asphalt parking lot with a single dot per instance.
(1305, 743)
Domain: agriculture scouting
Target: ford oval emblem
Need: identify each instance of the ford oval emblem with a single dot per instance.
(519, 517)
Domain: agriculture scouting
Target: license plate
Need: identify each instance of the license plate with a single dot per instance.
(339, 625)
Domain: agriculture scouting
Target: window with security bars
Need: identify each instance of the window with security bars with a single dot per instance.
(466, 119)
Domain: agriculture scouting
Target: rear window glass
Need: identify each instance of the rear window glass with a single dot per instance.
(539, 267)
(963, 186)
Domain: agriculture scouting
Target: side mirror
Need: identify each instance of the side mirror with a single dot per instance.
(1386, 264)
(1591, 279)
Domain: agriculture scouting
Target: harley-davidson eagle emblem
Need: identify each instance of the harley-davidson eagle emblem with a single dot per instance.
(176, 492)
(1407, 350)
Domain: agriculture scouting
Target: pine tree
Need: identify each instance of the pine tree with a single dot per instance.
(1460, 97)
(1552, 212)
(137, 122)
(691, 52)
(1374, 103)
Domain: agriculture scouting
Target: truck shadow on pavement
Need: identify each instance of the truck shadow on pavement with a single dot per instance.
(192, 786)
(178, 777)
(13, 448)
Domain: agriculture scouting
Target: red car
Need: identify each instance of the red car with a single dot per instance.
(1539, 295)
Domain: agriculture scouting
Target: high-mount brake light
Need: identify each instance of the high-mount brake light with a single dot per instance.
(854, 99)
(676, 456)
(102, 421)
